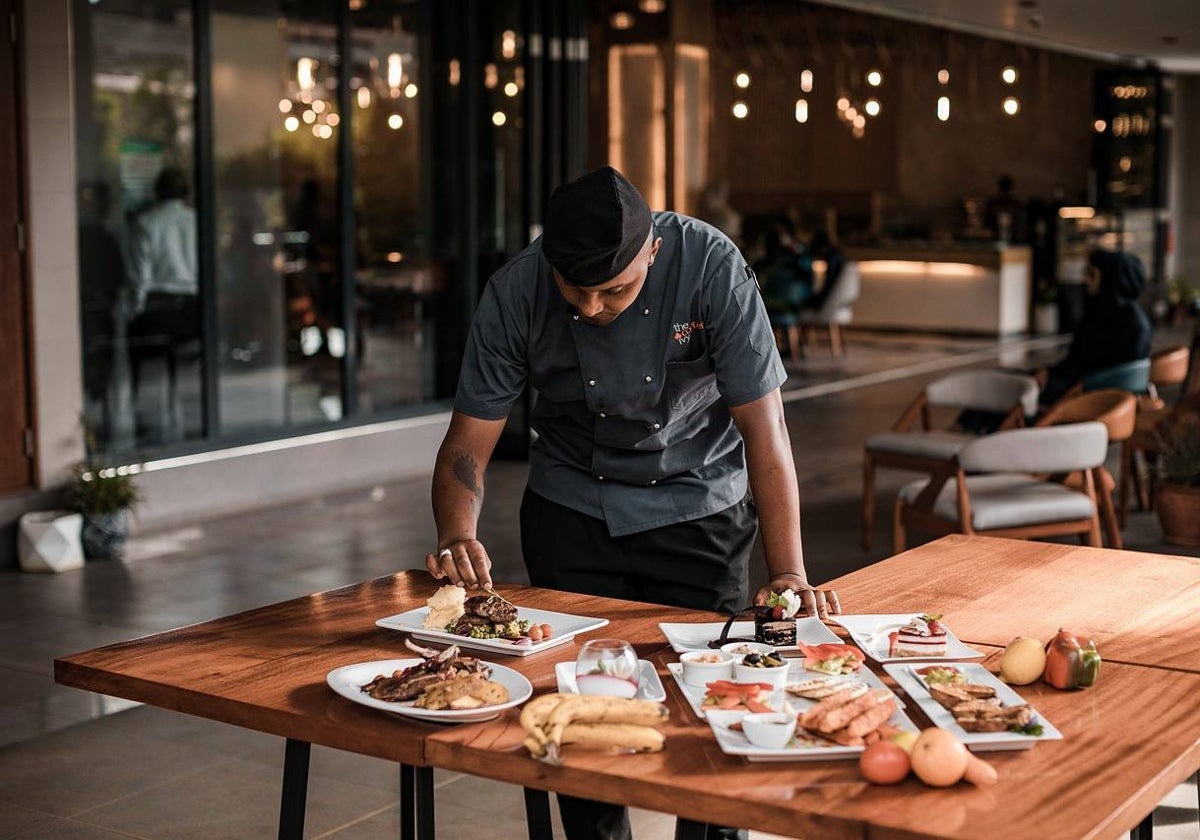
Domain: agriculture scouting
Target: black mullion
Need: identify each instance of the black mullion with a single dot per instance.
(205, 213)
(347, 250)
(534, 62)
(471, 81)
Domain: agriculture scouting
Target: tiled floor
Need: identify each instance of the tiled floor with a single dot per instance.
(73, 768)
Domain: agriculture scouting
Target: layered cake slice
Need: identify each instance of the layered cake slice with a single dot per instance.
(920, 638)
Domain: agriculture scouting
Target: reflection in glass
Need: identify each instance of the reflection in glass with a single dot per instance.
(137, 227)
(280, 337)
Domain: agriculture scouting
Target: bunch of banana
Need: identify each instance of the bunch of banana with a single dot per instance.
(553, 720)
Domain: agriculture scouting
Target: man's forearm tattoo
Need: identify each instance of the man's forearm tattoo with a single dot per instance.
(466, 471)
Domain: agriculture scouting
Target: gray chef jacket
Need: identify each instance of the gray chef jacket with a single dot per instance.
(632, 418)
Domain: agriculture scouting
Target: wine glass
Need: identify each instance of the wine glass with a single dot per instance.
(608, 667)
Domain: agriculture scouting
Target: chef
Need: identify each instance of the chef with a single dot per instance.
(661, 443)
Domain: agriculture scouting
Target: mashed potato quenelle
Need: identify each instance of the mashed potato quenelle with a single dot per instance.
(445, 607)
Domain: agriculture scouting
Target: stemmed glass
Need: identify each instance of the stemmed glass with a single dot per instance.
(608, 667)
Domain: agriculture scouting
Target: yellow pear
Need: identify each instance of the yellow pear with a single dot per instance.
(1023, 662)
(904, 739)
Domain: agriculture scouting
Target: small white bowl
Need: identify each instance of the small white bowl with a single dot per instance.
(775, 677)
(769, 730)
(703, 672)
(740, 649)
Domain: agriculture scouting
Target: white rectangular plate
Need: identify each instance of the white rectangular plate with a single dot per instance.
(907, 678)
(870, 632)
(685, 637)
(650, 687)
(801, 748)
(564, 625)
(694, 694)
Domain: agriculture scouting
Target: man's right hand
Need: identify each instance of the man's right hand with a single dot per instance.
(463, 562)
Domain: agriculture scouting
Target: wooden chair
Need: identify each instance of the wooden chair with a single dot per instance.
(1168, 368)
(1005, 498)
(1118, 411)
(924, 449)
(837, 309)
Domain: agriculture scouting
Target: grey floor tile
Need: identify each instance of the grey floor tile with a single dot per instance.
(81, 767)
(188, 731)
(15, 820)
(18, 725)
(232, 799)
(59, 828)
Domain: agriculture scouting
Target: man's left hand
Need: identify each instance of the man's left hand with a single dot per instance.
(818, 602)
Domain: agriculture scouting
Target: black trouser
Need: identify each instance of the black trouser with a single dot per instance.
(700, 565)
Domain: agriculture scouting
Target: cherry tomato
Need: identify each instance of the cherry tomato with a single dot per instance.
(884, 763)
(534, 632)
(547, 632)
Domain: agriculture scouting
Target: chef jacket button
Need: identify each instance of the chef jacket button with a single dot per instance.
(592, 383)
(645, 311)
(602, 415)
(574, 317)
(599, 478)
(649, 378)
(653, 481)
(657, 426)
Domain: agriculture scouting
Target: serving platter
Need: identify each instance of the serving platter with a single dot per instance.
(650, 687)
(564, 625)
(911, 682)
(870, 632)
(802, 747)
(349, 680)
(797, 673)
(696, 636)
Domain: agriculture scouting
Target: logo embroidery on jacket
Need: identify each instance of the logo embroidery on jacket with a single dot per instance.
(683, 331)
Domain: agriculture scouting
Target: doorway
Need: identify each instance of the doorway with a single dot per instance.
(16, 436)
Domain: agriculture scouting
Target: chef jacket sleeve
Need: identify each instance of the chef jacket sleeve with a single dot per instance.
(741, 341)
(495, 366)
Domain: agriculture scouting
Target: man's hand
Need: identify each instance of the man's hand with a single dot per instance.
(818, 602)
(464, 562)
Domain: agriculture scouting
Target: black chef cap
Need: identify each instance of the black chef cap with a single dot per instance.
(595, 226)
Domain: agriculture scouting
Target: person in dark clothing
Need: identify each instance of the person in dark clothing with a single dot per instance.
(1114, 329)
(785, 271)
(823, 248)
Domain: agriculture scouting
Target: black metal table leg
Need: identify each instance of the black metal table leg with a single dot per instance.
(408, 795)
(295, 790)
(424, 791)
(537, 814)
(690, 830)
(1145, 829)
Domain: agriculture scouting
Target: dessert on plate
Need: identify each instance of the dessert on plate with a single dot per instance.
(922, 637)
(775, 621)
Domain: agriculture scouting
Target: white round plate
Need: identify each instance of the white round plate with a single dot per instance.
(348, 681)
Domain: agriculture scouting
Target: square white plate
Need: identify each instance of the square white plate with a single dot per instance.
(694, 694)
(801, 748)
(650, 687)
(870, 632)
(564, 625)
(685, 637)
(907, 678)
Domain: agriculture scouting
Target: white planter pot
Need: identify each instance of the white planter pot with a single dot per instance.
(48, 541)
(1045, 319)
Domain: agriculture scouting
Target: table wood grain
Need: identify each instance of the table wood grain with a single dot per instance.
(1139, 608)
(1128, 741)
(265, 669)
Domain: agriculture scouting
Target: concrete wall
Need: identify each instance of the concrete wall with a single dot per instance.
(1185, 190)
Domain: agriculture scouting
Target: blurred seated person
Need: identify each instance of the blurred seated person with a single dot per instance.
(784, 272)
(1114, 329)
(821, 247)
(1004, 214)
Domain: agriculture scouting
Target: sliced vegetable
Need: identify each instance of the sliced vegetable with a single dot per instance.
(832, 658)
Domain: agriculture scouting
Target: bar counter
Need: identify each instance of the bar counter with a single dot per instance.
(960, 288)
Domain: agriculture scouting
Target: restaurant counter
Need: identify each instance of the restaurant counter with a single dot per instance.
(975, 288)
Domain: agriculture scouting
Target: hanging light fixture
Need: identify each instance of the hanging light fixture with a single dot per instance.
(1011, 105)
(508, 44)
(1009, 75)
(395, 71)
(872, 107)
(943, 108)
(1099, 126)
(943, 76)
(801, 110)
(285, 105)
(806, 80)
(511, 89)
(621, 20)
(843, 103)
(410, 90)
(742, 80)
(364, 97)
(291, 123)
(740, 110)
(306, 73)
(395, 121)
(652, 7)
(499, 118)
(874, 78)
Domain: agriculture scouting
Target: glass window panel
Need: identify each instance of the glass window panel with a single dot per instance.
(399, 283)
(137, 226)
(281, 337)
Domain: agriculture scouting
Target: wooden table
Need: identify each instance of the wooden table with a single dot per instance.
(1142, 609)
(1129, 739)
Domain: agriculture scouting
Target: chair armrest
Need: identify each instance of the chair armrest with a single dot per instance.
(1015, 419)
(937, 480)
(916, 408)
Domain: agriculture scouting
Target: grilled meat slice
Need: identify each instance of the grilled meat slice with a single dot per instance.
(491, 607)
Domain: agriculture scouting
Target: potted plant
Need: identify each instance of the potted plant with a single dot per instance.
(1178, 495)
(105, 495)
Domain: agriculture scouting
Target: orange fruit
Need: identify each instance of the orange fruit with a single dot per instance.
(938, 758)
(884, 763)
